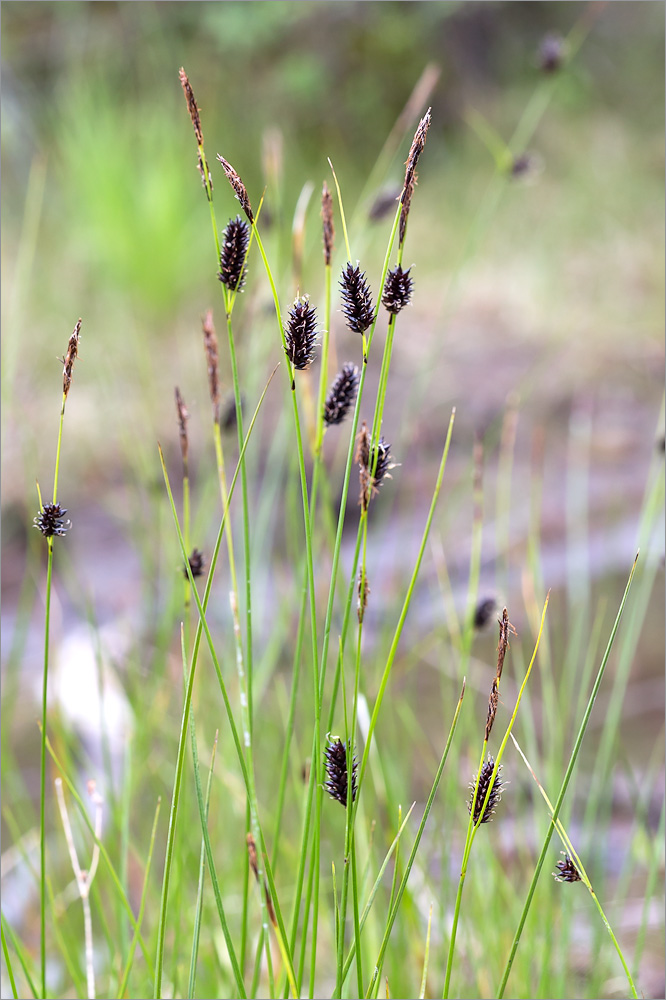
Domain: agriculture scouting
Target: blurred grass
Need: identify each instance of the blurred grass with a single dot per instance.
(561, 301)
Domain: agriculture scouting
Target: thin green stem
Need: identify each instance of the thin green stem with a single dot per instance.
(565, 785)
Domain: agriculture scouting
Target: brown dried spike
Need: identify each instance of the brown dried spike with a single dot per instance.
(70, 358)
(183, 417)
(505, 630)
(363, 591)
(327, 218)
(210, 348)
(191, 106)
(239, 188)
(362, 456)
(252, 853)
(493, 702)
(418, 144)
(406, 200)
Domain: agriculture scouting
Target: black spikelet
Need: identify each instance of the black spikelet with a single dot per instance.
(197, 563)
(398, 289)
(335, 761)
(301, 334)
(236, 239)
(380, 460)
(566, 870)
(356, 299)
(51, 520)
(495, 794)
(341, 395)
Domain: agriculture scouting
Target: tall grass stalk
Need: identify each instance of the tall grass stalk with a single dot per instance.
(51, 523)
(476, 815)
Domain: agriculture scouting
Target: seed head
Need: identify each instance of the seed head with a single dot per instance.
(341, 395)
(495, 794)
(236, 239)
(197, 563)
(327, 221)
(239, 188)
(335, 762)
(70, 358)
(397, 290)
(356, 299)
(51, 520)
(566, 870)
(301, 333)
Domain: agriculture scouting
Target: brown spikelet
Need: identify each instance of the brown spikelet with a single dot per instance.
(239, 188)
(505, 630)
(418, 144)
(362, 456)
(191, 105)
(183, 417)
(210, 349)
(327, 220)
(70, 358)
(417, 147)
(252, 854)
(404, 213)
(363, 591)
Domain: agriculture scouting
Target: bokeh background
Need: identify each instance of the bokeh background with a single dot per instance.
(539, 291)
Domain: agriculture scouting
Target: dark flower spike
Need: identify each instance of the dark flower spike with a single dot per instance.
(495, 794)
(239, 188)
(484, 611)
(301, 334)
(341, 395)
(566, 870)
(236, 240)
(327, 221)
(335, 762)
(197, 563)
(398, 289)
(356, 299)
(51, 520)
